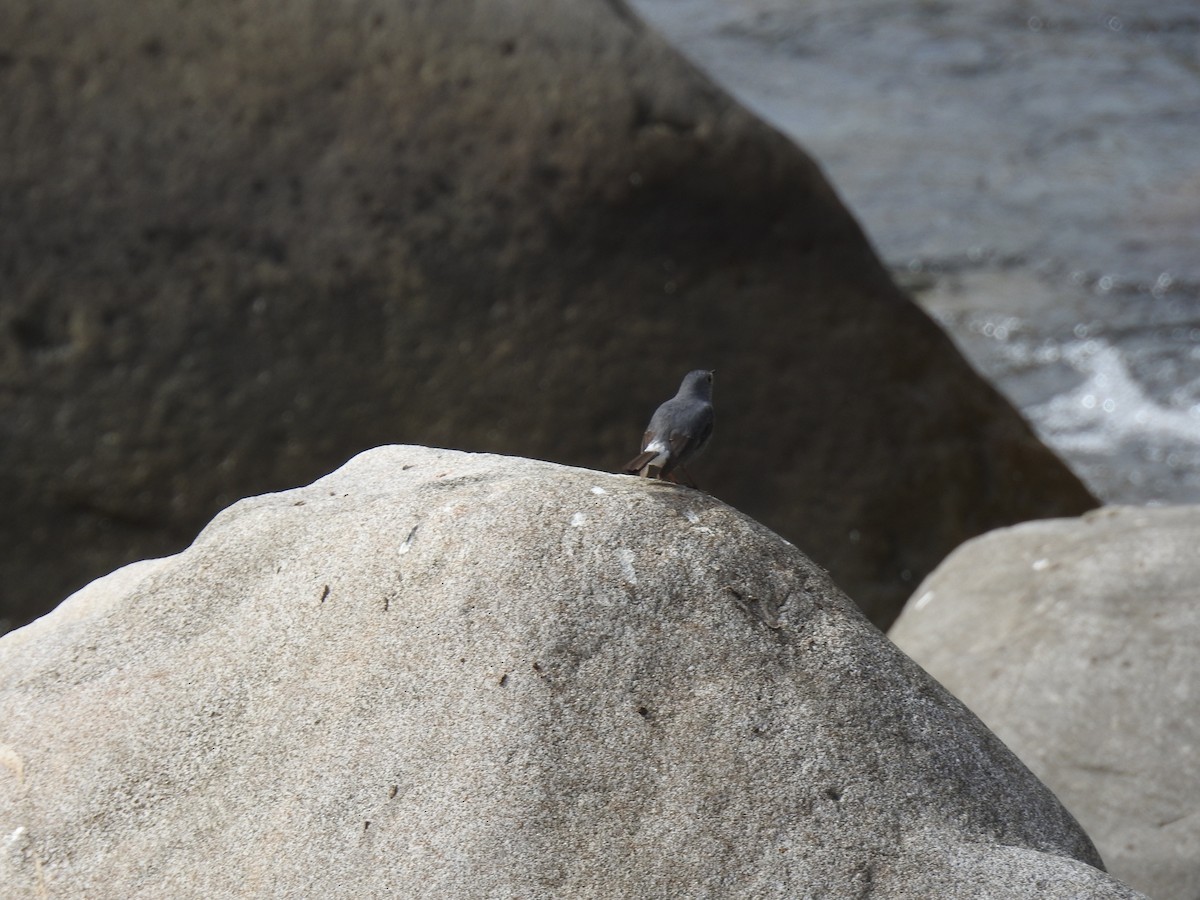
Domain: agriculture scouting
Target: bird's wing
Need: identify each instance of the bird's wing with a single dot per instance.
(679, 442)
(706, 427)
(683, 442)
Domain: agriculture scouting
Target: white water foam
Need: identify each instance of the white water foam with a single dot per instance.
(1109, 417)
(1110, 406)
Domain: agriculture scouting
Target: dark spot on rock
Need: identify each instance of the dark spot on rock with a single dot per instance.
(549, 175)
(30, 334)
(274, 250)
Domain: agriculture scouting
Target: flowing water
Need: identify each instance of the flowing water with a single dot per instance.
(1031, 173)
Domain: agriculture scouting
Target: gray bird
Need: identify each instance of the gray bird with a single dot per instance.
(677, 430)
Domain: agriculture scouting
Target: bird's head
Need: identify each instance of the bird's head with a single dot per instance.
(698, 383)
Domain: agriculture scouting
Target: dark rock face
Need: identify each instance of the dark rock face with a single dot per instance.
(242, 241)
(438, 674)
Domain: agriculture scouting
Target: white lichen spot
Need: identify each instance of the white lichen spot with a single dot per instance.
(625, 559)
(923, 601)
(691, 516)
(578, 520)
(1041, 564)
(598, 490)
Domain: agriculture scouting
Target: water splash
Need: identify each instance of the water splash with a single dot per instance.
(1109, 423)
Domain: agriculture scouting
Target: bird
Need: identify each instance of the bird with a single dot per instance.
(677, 430)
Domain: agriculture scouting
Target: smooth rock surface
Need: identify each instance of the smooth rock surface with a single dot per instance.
(1075, 641)
(436, 674)
(242, 240)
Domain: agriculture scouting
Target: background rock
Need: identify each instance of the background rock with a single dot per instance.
(244, 240)
(1075, 641)
(439, 674)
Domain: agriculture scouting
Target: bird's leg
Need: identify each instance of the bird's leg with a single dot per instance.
(689, 481)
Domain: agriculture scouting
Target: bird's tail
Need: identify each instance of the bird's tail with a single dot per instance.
(639, 462)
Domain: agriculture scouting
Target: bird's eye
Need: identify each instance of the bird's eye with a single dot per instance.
(710, 377)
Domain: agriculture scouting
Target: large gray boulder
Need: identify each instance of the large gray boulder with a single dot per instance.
(242, 240)
(1076, 642)
(435, 674)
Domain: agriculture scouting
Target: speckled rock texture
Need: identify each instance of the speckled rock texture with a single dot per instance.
(242, 240)
(1076, 642)
(437, 674)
